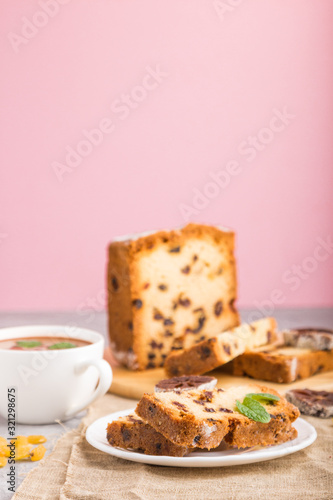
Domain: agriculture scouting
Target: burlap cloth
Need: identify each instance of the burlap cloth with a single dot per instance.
(75, 470)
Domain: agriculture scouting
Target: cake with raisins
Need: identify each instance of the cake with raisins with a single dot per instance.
(204, 418)
(132, 433)
(281, 364)
(220, 349)
(164, 285)
(186, 383)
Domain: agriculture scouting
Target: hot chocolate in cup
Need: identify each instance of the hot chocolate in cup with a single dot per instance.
(50, 373)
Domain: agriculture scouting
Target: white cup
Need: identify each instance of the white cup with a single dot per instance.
(52, 385)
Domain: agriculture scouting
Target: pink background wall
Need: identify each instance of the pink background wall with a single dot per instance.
(222, 75)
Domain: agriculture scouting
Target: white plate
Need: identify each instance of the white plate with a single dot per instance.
(96, 436)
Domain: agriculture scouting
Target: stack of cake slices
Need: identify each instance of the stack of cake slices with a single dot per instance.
(301, 353)
(219, 349)
(176, 420)
(258, 351)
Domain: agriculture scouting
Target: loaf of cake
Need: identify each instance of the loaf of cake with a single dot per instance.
(204, 418)
(280, 364)
(131, 433)
(219, 349)
(168, 284)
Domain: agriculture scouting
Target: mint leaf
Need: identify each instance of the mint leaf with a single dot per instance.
(261, 414)
(244, 410)
(263, 396)
(253, 410)
(28, 343)
(62, 345)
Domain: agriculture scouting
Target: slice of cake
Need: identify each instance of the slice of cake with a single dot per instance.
(204, 418)
(131, 433)
(186, 383)
(309, 402)
(317, 339)
(219, 349)
(280, 364)
(167, 284)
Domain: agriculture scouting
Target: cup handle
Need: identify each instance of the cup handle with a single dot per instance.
(104, 383)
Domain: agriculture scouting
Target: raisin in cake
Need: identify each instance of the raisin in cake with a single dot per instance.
(130, 432)
(167, 284)
(204, 418)
(219, 349)
(280, 364)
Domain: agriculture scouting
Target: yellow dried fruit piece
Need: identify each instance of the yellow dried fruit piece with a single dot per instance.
(3, 461)
(37, 439)
(4, 451)
(38, 453)
(21, 441)
(3, 446)
(22, 451)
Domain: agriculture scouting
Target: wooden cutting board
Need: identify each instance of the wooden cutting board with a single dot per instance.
(134, 384)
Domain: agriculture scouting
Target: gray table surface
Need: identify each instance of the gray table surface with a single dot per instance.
(287, 318)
